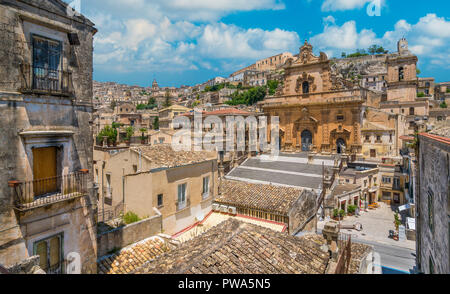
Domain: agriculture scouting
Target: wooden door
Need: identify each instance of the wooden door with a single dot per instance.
(373, 153)
(44, 170)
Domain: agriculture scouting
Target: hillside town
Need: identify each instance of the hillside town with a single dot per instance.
(91, 183)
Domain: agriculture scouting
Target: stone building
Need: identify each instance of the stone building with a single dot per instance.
(433, 202)
(402, 88)
(426, 86)
(180, 184)
(341, 197)
(365, 175)
(167, 115)
(273, 62)
(318, 111)
(379, 133)
(442, 91)
(393, 179)
(46, 189)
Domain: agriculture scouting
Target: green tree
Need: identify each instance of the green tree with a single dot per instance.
(141, 106)
(156, 123)
(421, 94)
(129, 133)
(113, 104)
(272, 85)
(167, 102)
(109, 132)
(343, 55)
(249, 97)
(443, 104)
(375, 49)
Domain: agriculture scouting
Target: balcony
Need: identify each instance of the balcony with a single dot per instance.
(43, 192)
(39, 80)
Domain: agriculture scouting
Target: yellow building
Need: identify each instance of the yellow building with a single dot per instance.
(166, 115)
(151, 180)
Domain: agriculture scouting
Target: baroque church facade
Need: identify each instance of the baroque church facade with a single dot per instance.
(318, 111)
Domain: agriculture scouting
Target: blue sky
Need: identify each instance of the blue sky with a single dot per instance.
(185, 42)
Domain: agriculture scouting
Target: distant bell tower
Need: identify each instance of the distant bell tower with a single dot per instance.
(155, 85)
(402, 47)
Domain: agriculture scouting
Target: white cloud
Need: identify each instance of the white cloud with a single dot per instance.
(335, 5)
(343, 37)
(229, 41)
(169, 35)
(429, 38)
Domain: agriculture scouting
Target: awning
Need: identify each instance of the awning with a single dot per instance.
(404, 207)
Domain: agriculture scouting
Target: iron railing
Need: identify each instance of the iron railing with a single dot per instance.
(108, 214)
(46, 80)
(42, 192)
(345, 253)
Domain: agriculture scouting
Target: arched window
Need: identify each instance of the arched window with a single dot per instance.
(305, 87)
(401, 73)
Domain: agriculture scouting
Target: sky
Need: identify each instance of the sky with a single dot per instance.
(186, 42)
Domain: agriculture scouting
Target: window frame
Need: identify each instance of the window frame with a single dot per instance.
(205, 194)
(61, 249)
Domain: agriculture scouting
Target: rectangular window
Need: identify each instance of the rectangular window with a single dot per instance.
(50, 254)
(386, 180)
(182, 195)
(160, 200)
(340, 117)
(46, 63)
(396, 183)
(205, 191)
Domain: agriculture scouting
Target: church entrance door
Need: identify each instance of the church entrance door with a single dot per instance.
(340, 145)
(306, 140)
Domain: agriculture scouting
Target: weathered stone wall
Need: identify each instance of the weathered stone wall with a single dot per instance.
(25, 111)
(124, 236)
(434, 170)
(303, 211)
(366, 65)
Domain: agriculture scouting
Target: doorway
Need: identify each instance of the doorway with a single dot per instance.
(306, 140)
(373, 153)
(44, 171)
(340, 145)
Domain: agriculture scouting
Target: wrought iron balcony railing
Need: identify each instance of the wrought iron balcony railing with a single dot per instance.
(38, 193)
(45, 80)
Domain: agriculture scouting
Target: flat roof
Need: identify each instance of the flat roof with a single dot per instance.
(291, 171)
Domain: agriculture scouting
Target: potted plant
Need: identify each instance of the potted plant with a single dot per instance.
(143, 137)
(351, 209)
(397, 223)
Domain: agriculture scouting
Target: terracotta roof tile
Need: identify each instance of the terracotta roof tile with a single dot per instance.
(132, 257)
(258, 196)
(235, 247)
(163, 155)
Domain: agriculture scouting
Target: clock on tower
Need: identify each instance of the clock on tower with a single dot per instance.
(402, 46)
